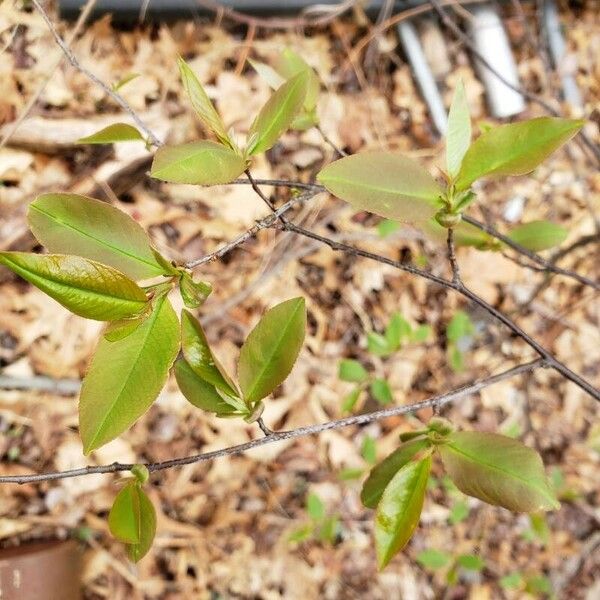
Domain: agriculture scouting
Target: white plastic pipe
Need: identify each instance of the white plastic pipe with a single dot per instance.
(490, 40)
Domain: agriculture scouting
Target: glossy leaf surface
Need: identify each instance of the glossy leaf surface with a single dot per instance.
(277, 114)
(271, 349)
(399, 509)
(86, 288)
(198, 163)
(126, 376)
(515, 148)
(382, 474)
(73, 224)
(498, 470)
(118, 132)
(388, 184)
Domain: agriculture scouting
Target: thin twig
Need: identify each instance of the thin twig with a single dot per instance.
(279, 436)
(452, 257)
(263, 427)
(330, 142)
(92, 77)
(83, 17)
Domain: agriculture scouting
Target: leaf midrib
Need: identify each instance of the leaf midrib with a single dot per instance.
(492, 467)
(133, 365)
(71, 285)
(95, 239)
(377, 188)
(276, 346)
(282, 105)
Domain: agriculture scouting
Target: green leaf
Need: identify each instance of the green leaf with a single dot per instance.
(147, 520)
(385, 183)
(382, 474)
(271, 349)
(387, 227)
(421, 333)
(289, 64)
(368, 450)
(124, 81)
(198, 163)
(272, 78)
(315, 507)
(399, 510)
(117, 330)
(459, 512)
(73, 224)
(351, 370)
(132, 519)
(539, 235)
(378, 344)
(193, 293)
(513, 581)
(277, 114)
(397, 331)
(458, 137)
(124, 516)
(200, 358)
(460, 326)
(351, 399)
(380, 390)
(201, 103)
(497, 470)
(85, 287)
(200, 393)
(456, 358)
(539, 585)
(471, 562)
(433, 559)
(126, 376)
(118, 132)
(515, 148)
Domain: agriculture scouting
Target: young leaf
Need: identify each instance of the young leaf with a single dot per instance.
(515, 148)
(539, 235)
(268, 73)
(368, 450)
(199, 392)
(199, 356)
(125, 377)
(498, 470)
(383, 473)
(277, 114)
(315, 507)
(433, 559)
(380, 390)
(289, 64)
(397, 331)
(460, 326)
(85, 287)
(73, 224)
(118, 132)
(193, 293)
(124, 516)
(351, 370)
(399, 509)
(202, 105)
(198, 163)
(385, 183)
(471, 562)
(147, 529)
(271, 349)
(458, 137)
(378, 344)
(351, 399)
(387, 227)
